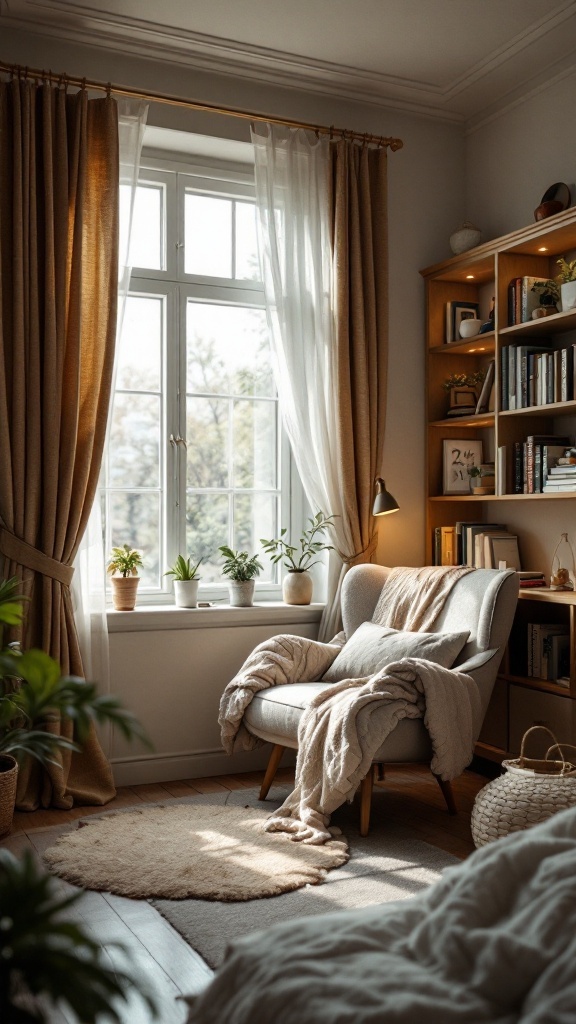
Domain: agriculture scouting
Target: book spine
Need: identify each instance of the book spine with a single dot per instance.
(437, 546)
(557, 375)
(501, 469)
(447, 545)
(524, 469)
(518, 300)
(530, 465)
(549, 378)
(512, 352)
(531, 381)
(518, 472)
(504, 379)
(566, 375)
(537, 469)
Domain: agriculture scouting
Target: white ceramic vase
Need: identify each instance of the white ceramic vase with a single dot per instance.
(186, 593)
(466, 237)
(568, 294)
(241, 593)
(297, 587)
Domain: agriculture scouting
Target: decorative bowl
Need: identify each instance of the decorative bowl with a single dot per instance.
(548, 209)
(470, 328)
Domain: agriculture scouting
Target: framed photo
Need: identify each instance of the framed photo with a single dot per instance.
(456, 312)
(458, 458)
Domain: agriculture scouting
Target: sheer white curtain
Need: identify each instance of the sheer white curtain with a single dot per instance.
(293, 196)
(89, 582)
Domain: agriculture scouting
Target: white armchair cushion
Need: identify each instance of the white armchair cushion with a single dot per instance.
(372, 647)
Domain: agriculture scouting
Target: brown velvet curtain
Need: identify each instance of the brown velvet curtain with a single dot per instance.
(59, 183)
(360, 274)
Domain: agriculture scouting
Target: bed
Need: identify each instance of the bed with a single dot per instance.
(494, 940)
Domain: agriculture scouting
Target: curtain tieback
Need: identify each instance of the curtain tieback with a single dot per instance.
(361, 556)
(19, 551)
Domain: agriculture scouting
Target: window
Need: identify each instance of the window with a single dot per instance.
(196, 457)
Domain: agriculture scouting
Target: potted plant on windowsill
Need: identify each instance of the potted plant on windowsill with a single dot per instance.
(241, 570)
(32, 692)
(186, 581)
(123, 571)
(297, 586)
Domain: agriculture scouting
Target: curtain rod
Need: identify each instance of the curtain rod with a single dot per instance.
(178, 101)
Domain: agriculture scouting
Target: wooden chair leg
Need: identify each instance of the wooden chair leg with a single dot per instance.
(271, 770)
(448, 794)
(365, 801)
(380, 772)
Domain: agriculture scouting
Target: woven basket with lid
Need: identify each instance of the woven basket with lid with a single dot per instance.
(8, 780)
(530, 791)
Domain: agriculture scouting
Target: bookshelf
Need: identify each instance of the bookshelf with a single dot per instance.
(482, 276)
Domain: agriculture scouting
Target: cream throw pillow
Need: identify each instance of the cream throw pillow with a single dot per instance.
(372, 647)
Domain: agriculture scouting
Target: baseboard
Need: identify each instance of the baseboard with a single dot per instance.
(141, 771)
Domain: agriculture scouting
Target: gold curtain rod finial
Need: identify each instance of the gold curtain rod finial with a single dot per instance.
(384, 502)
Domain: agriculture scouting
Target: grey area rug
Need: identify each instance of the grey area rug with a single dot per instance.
(386, 865)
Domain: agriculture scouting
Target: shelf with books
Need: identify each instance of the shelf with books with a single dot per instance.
(556, 323)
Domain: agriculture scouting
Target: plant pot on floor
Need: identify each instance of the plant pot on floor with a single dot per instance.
(297, 587)
(8, 780)
(186, 593)
(124, 589)
(241, 593)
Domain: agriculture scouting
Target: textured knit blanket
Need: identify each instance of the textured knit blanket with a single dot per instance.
(344, 725)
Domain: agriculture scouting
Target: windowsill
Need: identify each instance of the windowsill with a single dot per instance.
(159, 617)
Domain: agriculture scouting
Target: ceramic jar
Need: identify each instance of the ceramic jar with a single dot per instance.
(186, 593)
(466, 237)
(297, 587)
(568, 294)
(241, 593)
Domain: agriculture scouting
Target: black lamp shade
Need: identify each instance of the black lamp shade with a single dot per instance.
(384, 502)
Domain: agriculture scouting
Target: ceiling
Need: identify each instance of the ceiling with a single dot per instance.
(455, 59)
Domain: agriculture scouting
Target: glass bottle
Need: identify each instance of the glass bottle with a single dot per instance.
(563, 576)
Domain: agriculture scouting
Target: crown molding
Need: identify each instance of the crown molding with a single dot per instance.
(92, 26)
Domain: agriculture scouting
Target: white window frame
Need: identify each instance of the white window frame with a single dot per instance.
(231, 182)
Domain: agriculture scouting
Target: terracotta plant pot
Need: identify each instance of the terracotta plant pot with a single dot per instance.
(297, 587)
(241, 593)
(8, 780)
(124, 590)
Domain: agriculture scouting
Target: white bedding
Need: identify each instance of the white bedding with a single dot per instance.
(493, 941)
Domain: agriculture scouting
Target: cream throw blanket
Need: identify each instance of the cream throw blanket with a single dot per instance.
(343, 727)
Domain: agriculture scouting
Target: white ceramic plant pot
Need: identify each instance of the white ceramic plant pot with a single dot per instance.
(568, 294)
(470, 328)
(186, 593)
(297, 587)
(241, 593)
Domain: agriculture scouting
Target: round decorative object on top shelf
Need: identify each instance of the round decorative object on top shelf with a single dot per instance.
(466, 237)
(470, 328)
(555, 200)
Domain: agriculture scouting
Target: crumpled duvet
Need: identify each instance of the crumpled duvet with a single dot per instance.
(493, 941)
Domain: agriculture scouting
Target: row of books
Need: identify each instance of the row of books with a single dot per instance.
(549, 652)
(534, 459)
(481, 545)
(534, 375)
(522, 299)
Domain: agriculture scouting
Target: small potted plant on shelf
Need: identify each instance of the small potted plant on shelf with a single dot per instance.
(241, 569)
(462, 390)
(549, 298)
(482, 479)
(123, 571)
(186, 582)
(567, 278)
(31, 692)
(297, 586)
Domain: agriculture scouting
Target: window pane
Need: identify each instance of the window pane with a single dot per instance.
(254, 444)
(228, 350)
(134, 519)
(134, 448)
(255, 516)
(207, 236)
(247, 265)
(207, 434)
(207, 518)
(139, 356)
(146, 242)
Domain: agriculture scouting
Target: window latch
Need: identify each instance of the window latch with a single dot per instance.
(174, 441)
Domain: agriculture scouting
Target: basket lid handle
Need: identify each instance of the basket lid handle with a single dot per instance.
(545, 728)
(566, 767)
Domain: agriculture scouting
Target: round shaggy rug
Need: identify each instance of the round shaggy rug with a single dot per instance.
(192, 850)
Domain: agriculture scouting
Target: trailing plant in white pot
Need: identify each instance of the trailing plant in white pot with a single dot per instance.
(124, 579)
(297, 585)
(186, 582)
(241, 570)
(567, 278)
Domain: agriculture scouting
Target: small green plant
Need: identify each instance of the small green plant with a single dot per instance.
(463, 380)
(474, 471)
(183, 570)
(239, 565)
(44, 955)
(124, 561)
(298, 559)
(567, 270)
(550, 292)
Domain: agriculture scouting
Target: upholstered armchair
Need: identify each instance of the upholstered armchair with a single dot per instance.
(482, 601)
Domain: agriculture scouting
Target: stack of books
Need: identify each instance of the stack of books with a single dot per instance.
(560, 478)
(549, 652)
(528, 580)
(532, 375)
(533, 460)
(521, 299)
(481, 545)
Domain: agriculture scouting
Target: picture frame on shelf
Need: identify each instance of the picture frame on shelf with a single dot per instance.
(458, 456)
(456, 312)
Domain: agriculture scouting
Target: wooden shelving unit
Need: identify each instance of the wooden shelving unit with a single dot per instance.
(478, 276)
